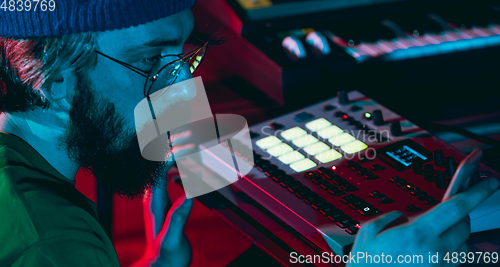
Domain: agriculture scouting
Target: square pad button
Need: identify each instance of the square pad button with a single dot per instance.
(279, 150)
(291, 157)
(302, 165)
(328, 156)
(293, 133)
(330, 132)
(305, 140)
(268, 142)
(341, 139)
(318, 124)
(353, 147)
(316, 148)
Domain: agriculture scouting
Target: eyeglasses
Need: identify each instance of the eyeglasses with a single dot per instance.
(165, 75)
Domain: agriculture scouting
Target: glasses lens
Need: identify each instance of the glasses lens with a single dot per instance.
(196, 58)
(165, 77)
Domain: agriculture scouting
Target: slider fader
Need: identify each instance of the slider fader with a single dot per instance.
(328, 168)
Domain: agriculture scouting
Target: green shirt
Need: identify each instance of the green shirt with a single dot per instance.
(44, 220)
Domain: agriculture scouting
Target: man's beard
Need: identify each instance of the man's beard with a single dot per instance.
(98, 140)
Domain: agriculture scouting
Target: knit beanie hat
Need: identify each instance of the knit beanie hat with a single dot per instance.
(75, 16)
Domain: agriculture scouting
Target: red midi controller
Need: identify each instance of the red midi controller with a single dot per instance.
(327, 169)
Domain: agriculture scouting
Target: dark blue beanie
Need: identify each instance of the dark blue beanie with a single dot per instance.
(75, 16)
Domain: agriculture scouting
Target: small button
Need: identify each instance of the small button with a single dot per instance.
(300, 193)
(254, 135)
(339, 114)
(275, 172)
(402, 182)
(376, 194)
(395, 179)
(413, 208)
(343, 221)
(325, 209)
(277, 178)
(293, 186)
(350, 199)
(303, 117)
(285, 181)
(371, 176)
(334, 214)
(358, 125)
(333, 190)
(357, 204)
(353, 228)
(329, 107)
(385, 200)
(363, 171)
(318, 203)
(378, 167)
(310, 197)
(356, 108)
(430, 201)
(368, 210)
(276, 126)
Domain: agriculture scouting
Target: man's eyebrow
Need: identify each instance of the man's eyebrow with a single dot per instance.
(155, 43)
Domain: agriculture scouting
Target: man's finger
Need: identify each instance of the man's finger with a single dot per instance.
(375, 226)
(171, 233)
(450, 212)
(455, 236)
(464, 171)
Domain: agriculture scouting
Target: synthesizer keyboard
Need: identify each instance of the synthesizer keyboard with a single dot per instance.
(328, 168)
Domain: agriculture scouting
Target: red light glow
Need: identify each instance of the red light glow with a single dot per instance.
(334, 168)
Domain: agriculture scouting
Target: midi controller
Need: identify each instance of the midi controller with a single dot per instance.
(327, 169)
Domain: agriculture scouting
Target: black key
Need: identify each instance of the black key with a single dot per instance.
(324, 184)
(385, 200)
(401, 183)
(334, 214)
(429, 200)
(303, 117)
(277, 178)
(378, 167)
(329, 107)
(269, 168)
(376, 194)
(323, 171)
(423, 195)
(274, 172)
(254, 135)
(363, 171)
(413, 208)
(339, 114)
(325, 209)
(286, 181)
(416, 192)
(316, 178)
(333, 190)
(318, 203)
(371, 176)
(349, 188)
(358, 203)
(350, 199)
(310, 197)
(353, 227)
(355, 108)
(301, 192)
(292, 187)
(395, 179)
(368, 210)
(343, 221)
(277, 126)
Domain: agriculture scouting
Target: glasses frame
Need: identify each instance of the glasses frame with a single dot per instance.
(152, 79)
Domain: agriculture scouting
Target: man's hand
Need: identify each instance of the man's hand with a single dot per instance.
(443, 229)
(167, 246)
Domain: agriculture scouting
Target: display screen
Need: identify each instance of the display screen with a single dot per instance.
(402, 153)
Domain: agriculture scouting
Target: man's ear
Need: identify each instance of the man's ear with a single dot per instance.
(61, 86)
